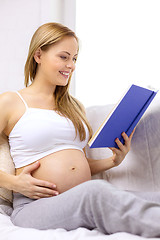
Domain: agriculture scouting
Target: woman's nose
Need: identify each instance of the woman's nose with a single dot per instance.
(71, 65)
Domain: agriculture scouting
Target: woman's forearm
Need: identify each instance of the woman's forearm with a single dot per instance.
(7, 180)
(98, 166)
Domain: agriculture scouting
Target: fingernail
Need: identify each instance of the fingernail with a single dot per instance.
(56, 193)
(54, 185)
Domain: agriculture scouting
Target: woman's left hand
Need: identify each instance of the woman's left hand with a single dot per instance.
(119, 154)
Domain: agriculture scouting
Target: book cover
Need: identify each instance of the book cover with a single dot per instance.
(123, 118)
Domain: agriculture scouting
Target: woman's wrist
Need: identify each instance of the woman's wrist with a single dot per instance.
(101, 165)
(11, 182)
(6, 180)
(110, 163)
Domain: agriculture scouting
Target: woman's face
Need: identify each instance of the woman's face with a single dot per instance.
(57, 63)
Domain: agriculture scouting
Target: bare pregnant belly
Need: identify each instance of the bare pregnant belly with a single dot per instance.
(65, 168)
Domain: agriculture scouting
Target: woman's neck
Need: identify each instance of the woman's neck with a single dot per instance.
(42, 87)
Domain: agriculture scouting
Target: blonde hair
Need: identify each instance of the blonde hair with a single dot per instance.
(45, 36)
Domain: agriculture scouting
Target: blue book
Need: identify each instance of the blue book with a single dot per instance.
(123, 118)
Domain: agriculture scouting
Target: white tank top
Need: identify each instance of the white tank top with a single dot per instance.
(40, 132)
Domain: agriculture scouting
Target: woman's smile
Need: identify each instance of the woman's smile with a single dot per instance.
(65, 74)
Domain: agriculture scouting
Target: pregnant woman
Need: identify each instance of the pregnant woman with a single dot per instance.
(48, 131)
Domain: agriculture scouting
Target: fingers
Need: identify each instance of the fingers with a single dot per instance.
(122, 147)
(31, 167)
(44, 184)
(45, 187)
(127, 140)
(119, 143)
(132, 133)
(36, 192)
(120, 152)
(40, 192)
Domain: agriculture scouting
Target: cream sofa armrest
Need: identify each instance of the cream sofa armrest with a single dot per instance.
(6, 165)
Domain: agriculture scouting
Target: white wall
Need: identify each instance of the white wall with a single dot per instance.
(120, 45)
(18, 21)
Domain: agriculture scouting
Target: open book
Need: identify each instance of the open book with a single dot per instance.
(123, 118)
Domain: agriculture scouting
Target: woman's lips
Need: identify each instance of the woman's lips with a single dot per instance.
(64, 74)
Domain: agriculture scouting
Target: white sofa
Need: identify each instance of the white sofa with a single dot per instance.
(140, 171)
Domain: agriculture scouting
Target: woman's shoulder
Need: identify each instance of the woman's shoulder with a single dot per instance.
(8, 102)
(7, 98)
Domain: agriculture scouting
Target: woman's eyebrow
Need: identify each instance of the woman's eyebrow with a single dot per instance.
(69, 53)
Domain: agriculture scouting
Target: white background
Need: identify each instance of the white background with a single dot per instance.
(119, 45)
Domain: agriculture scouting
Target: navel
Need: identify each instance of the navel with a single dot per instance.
(73, 168)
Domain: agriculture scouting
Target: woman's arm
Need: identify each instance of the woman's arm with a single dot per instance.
(119, 154)
(6, 180)
(27, 185)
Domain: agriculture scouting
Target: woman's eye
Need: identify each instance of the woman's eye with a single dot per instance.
(63, 57)
(74, 60)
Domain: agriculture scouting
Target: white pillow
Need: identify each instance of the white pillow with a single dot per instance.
(140, 170)
(6, 165)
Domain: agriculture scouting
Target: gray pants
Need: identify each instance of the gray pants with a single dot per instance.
(93, 204)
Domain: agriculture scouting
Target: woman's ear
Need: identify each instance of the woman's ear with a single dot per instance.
(37, 55)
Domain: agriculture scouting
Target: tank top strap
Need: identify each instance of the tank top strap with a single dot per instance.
(22, 99)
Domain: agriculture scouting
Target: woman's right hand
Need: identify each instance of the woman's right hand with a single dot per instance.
(31, 187)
